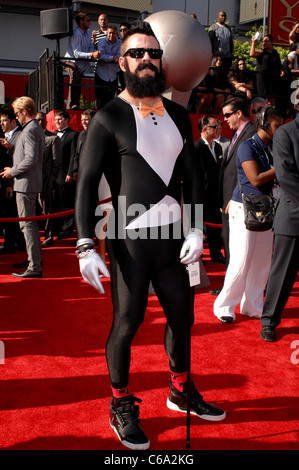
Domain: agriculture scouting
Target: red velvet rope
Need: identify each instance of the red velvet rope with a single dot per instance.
(62, 214)
(45, 216)
(36, 217)
(208, 224)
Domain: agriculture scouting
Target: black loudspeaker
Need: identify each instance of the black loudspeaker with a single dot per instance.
(57, 23)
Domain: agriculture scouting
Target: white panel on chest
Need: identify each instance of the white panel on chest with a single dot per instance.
(159, 142)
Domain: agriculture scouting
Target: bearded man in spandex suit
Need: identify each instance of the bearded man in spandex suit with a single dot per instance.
(144, 160)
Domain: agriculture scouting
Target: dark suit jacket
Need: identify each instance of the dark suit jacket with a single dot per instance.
(286, 163)
(7, 159)
(52, 159)
(210, 170)
(76, 155)
(68, 142)
(228, 173)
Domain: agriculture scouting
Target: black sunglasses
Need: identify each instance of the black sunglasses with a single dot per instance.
(213, 127)
(138, 53)
(227, 115)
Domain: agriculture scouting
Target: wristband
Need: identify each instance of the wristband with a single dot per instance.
(84, 241)
(86, 252)
(195, 231)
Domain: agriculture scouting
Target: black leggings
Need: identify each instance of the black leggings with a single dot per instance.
(134, 263)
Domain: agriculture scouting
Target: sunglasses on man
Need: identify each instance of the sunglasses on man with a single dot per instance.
(139, 52)
(227, 115)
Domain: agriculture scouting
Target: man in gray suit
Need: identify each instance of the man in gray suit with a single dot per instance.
(285, 262)
(27, 174)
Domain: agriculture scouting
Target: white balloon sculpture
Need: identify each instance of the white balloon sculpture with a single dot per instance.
(187, 51)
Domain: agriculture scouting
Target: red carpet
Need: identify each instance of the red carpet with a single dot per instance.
(55, 392)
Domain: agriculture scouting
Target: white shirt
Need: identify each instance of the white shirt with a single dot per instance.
(8, 135)
(211, 148)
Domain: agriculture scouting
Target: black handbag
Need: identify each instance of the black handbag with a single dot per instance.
(259, 211)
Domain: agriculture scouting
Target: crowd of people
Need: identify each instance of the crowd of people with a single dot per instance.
(103, 46)
(62, 170)
(229, 77)
(60, 165)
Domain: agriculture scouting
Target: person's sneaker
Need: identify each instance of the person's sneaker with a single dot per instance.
(177, 401)
(124, 420)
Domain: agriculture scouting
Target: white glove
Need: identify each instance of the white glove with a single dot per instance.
(90, 266)
(192, 248)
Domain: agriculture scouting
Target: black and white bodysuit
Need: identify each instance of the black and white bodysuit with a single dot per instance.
(145, 161)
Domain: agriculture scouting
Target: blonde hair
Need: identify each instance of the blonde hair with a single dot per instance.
(24, 102)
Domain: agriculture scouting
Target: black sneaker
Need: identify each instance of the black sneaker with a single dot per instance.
(177, 401)
(124, 420)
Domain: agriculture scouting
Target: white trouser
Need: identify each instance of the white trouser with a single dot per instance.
(247, 274)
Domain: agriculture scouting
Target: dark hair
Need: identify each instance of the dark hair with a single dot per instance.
(237, 104)
(141, 27)
(244, 75)
(269, 36)
(234, 71)
(88, 112)
(124, 23)
(112, 26)
(9, 113)
(204, 121)
(80, 16)
(213, 69)
(265, 115)
(63, 113)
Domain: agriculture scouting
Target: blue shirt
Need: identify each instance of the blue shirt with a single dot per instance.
(252, 149)
(80, 47)
(108, 70)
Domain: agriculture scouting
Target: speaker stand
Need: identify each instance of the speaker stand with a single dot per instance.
(58, 48)
(58, 101)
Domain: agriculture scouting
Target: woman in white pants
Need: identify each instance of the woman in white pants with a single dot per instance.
(250, 252)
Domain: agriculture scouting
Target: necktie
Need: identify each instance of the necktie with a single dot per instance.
(233, 141)
(157, 108)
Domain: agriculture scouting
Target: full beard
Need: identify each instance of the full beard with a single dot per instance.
(149, 85)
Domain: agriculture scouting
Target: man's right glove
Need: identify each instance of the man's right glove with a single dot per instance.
(90, 264)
